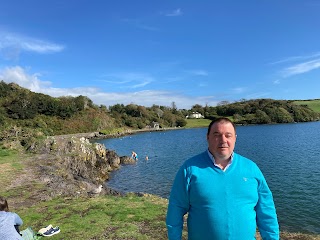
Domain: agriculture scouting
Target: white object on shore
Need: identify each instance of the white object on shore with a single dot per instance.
(96, 190)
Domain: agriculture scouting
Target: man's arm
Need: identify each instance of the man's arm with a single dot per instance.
(178, 205)
(267, 221)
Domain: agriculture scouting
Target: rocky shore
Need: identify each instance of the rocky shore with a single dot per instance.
(67, 165)
(70, 165)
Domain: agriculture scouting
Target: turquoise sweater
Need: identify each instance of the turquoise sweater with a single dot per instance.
(221, 205)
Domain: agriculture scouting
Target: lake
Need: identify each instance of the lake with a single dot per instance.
(287, 154)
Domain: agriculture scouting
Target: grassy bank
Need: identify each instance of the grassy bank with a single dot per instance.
(195, 123)
(102, 217)
(10, 163)
(312, 104)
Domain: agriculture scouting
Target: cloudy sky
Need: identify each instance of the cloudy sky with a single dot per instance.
(158, 52)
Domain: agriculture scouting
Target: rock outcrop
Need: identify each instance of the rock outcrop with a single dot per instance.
(73, 164)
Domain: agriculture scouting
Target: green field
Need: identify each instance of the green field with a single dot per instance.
(194, 123)
(105, 217)
(312, 104)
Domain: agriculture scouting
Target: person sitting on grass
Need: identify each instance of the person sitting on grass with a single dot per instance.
(9, 222)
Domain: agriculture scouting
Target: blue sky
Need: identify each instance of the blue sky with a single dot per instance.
(159, 52)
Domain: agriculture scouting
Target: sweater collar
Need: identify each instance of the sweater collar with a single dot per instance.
(214, 161)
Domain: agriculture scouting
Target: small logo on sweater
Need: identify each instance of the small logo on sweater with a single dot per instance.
(245, 179)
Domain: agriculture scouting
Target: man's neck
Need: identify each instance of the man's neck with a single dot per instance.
(222, 163)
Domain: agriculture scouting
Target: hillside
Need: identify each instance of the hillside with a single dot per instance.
(312, 104)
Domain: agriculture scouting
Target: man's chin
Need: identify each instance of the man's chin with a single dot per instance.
(224, 156)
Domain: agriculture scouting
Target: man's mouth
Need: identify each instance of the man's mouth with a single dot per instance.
(223, 147)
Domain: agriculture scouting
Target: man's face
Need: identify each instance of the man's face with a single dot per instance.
(221, 140)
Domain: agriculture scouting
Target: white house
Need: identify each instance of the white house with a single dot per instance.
(195, 115)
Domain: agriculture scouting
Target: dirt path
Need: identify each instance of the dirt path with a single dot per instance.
(25, 186)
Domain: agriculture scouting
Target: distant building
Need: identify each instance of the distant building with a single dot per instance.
(195, 115)
(155, 125)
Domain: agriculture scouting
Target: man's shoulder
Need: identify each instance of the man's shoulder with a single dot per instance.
(5, 214)
(242, 159)
(197, 159)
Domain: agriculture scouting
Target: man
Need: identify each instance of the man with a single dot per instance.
(225, 194)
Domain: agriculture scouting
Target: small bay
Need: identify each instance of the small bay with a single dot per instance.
(287, 154)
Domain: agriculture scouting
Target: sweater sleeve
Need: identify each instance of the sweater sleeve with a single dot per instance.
(267, 221)
(178, 205)
(17, 220)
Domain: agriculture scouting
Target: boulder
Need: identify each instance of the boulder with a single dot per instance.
(127, 160)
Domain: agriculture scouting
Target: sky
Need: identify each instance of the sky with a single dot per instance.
(159, 52)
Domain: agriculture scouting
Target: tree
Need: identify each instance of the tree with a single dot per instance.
(223, 103)
(197, 108)
(119, 108)
(261, 117)
(170, 118)
(159, 112)
(173, 108)
(181, 122)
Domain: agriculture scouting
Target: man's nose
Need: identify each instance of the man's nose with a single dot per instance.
(223, 138)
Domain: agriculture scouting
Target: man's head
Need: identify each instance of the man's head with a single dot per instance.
(3, 204)
(221, 137)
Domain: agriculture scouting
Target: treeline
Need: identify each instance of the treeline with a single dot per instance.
(261, 111)
(26, 113)
(136, 116)
(22, 111)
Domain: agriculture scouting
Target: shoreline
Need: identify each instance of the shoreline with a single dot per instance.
(98, 135)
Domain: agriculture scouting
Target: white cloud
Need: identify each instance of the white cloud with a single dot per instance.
(301, 68)
(138, 24)
(128, 80)
(174, 13)
(199, 72)
(238, 90)
(297, 58)
(203, 85)
(20, 76)
(142, 84)
(258, 95)
(146, 98)
(277, 81)
(149, 97)
(11, 45)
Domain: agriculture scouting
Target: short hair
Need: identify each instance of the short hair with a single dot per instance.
(3, 204)
(221, 120)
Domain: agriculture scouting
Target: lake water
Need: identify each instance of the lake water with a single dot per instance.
(287, 154)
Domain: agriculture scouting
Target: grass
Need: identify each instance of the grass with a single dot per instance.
(10, 165)
(194, 123)
(110, 217)
(104, 217)
(312, 104)
(112, 131)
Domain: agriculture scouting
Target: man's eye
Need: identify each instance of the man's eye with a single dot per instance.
(216, 135)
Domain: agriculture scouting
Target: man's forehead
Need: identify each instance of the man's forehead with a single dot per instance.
(222, 127)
